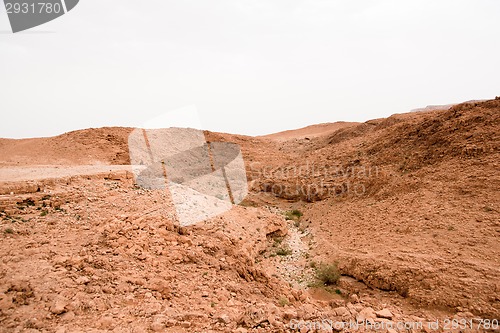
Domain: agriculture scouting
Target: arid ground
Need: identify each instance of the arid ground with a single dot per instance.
(406, 208)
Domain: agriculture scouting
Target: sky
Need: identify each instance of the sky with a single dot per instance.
(244, 66)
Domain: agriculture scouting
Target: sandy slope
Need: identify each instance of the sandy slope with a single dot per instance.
(312, 131)
(86, 147)
(408, 204)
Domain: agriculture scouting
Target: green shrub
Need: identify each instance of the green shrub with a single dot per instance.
(328, 274)
(283, 301)
(284, 251)
(277, 241)
(293, 215)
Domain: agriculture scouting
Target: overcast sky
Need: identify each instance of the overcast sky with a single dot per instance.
(247, 66)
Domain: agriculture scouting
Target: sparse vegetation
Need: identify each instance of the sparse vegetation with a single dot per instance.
(328, 274)
(246, 203)
(283, 301)
(284, 251)
(9, 231)
(277, 241)
(293, 215)
(44, 213)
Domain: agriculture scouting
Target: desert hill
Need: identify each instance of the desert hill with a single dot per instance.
(106, 145)
(408, 207)
(409, 203)
(309, 131)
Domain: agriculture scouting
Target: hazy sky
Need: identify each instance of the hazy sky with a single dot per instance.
(247, 66)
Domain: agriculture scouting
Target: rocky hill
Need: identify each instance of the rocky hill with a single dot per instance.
(407, 208)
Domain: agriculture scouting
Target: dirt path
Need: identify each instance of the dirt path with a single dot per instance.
(8, 174)
(292, 266)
